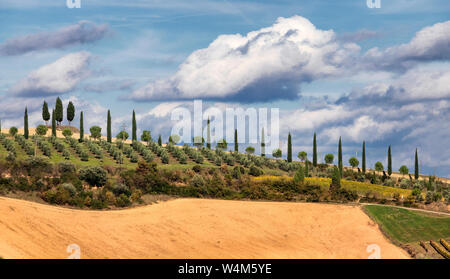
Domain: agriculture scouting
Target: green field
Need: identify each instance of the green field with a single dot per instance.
(408, 226)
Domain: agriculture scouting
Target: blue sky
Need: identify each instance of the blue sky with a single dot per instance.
(377, 83)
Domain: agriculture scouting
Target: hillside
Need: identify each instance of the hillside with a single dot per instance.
(191, 228)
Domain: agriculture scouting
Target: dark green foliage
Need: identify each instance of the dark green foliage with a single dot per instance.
(53, 124)
(379, 166)
(329, 158)
(134, 128)
(416, 166)
(364, 157)
(146, 136)
(41, 130)
(335, 180)
(159, 140)
(13, 131)
(306, 168)
(389, 166)
(263, 144)
(108, 128)
(95, 176)
(122, 135)
(289, 149)
(299, 176)
(353, 161)
(314, 151)
(340, 163)
(70, 112)
(25, 124)
(96, 132)
(255, 171)
(208, 135)
(236, 144)
(81, 127)
(45, 112)
(59, 111)
(277, 153)
(250, 150)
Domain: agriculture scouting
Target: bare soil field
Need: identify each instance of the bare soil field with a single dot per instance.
(191, 228)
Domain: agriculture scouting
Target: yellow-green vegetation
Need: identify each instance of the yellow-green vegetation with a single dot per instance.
(408, 226)
(360, 187)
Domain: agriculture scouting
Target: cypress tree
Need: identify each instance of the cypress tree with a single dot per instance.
(389, 168)
(263, 144)
(81, 127)
(108, 127)
(159, 140)
(53, 123)
(134, 128)
(340, 164)
(289, 149)
(314, 151)
(70, 112)
(208, 136)
(364, 157)
(236, 144)
(416, 167)
(0, 126)
(25, 124)
(58, 111)
(45, 113)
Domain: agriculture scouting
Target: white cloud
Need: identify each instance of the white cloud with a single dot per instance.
(255, 66)
(59, 77)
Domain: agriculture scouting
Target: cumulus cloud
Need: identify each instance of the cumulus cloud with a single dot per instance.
(109, 85)
(81, 33)
(360, 35)
(267, 64)
(59, 77)
(429, 44)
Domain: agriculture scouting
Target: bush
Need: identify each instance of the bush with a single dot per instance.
(66, 167)
(119, 189)
(67, 133)
(69, 188)
(13, 131)
(255, 171)
(197, 181)
(197, 168)
(299, 176)
(95, 176)
(123, 201)
(11, 157)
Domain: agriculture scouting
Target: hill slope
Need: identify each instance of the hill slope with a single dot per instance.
(191, 228)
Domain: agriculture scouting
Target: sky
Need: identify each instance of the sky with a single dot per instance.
(337, 68)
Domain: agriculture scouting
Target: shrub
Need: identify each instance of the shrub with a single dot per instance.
(197, 168)
(95, 176)
(11, 157)
(299, 176)
(255, 171)
(67, 133)
(122, 201)
(197, 181)
(119, 189)
(329, 158)
(66, 167)
(69, 188)
(37, 165)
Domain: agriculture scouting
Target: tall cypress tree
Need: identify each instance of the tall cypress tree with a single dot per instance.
(314, 151)
(58, 111)
(25, 124)
(53, 123)
(340, 164)
(81, 127)
(263, 144)
(289, 149)
(389, 167)
(364, 157)
(236, 144)
(70, 112)
(0, 126)
(416, 166)
(208, 135)
(159, 140)
(108, 127)
(45, 113)
(134, 128)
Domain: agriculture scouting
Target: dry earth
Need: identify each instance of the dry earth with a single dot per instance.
(191, 228)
